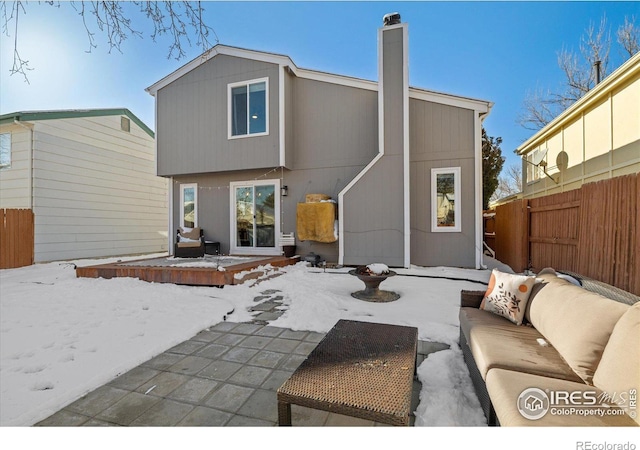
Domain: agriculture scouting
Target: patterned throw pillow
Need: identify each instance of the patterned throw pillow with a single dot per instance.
(507, 295)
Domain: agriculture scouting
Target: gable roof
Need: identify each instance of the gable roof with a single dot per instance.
(28, 116)
(482, 106)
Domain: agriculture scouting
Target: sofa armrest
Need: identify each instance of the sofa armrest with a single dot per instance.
(471, 299)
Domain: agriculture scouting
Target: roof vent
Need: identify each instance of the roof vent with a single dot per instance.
(391, 19)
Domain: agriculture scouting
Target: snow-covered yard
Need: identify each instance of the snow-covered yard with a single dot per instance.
(62, 336)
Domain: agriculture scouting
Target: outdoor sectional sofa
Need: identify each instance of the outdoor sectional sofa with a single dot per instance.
(574, 361)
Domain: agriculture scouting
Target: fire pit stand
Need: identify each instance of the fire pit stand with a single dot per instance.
(372, 293)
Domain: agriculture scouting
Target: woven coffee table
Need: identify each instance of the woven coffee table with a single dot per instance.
(359, 369)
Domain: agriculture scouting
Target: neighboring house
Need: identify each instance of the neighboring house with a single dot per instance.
(446, 211)
(596, 138)
(89, 178)
(247, 135)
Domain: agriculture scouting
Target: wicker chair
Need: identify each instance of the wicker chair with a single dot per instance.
(189, 243)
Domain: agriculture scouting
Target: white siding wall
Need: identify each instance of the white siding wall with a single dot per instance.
(15, 180)
(95, 190)
(602, 142)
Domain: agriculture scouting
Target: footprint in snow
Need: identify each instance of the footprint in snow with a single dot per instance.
(17, 356)
(42, 386)
(34, 369)
(67, 358)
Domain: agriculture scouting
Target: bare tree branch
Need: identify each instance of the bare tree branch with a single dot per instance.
(509, 183)
(580, 76)
(539, 108)
(180, 20)
(629, 36)
(20, 66)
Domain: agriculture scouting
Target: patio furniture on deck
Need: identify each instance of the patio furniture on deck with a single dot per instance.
(212, 248)
(359, 369)
(189, 243)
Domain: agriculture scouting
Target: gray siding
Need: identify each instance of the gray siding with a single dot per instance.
(441, 136)
(334, 125)
(330, 136)
(374, 206)
(334, 136)
(192, 120)
(214, 198)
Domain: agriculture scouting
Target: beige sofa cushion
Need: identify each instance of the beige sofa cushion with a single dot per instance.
(189, 244)
(576, 322)
(505, 387)
(619, 368)
(496, 342)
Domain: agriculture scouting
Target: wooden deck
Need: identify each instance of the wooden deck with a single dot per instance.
(194, 276)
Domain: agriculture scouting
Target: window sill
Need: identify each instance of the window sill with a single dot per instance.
(245, 136)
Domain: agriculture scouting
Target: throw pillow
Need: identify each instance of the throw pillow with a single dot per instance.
(507, 295)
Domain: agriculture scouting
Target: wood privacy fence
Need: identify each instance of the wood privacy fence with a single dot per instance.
(593, 231)
(16, 238)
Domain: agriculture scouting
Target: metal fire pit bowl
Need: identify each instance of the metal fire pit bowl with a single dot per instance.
(372, 293)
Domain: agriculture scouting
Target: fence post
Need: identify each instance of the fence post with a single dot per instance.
(512, 234)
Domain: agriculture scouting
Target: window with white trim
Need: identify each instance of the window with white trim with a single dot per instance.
(248, 108)
(5, 150)
(445, 200)
(189, 205)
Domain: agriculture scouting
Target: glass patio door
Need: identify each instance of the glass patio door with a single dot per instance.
(255, 217)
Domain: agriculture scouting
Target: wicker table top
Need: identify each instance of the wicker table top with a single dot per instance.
(359, 369)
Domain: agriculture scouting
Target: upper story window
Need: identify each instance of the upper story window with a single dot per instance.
(249, 108)
(5, 150)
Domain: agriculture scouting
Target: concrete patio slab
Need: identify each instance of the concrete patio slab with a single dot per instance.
(226, 375)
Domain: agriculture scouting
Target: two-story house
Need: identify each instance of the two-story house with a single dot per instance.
(244, 136)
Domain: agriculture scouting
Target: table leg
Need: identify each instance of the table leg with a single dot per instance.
(284, 414)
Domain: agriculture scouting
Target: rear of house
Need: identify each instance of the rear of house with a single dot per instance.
(246, 138)
(89, 178)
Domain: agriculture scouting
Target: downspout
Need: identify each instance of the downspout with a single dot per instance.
(480, 116)
(171, 234)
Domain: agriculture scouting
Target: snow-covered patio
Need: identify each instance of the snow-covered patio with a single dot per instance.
(61, 336)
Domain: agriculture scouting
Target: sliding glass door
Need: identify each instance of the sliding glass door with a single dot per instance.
(255, 217)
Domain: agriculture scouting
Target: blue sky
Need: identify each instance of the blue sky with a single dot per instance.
(494, 51)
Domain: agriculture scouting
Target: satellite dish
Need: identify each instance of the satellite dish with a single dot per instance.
(562, 161)
(536, 160)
